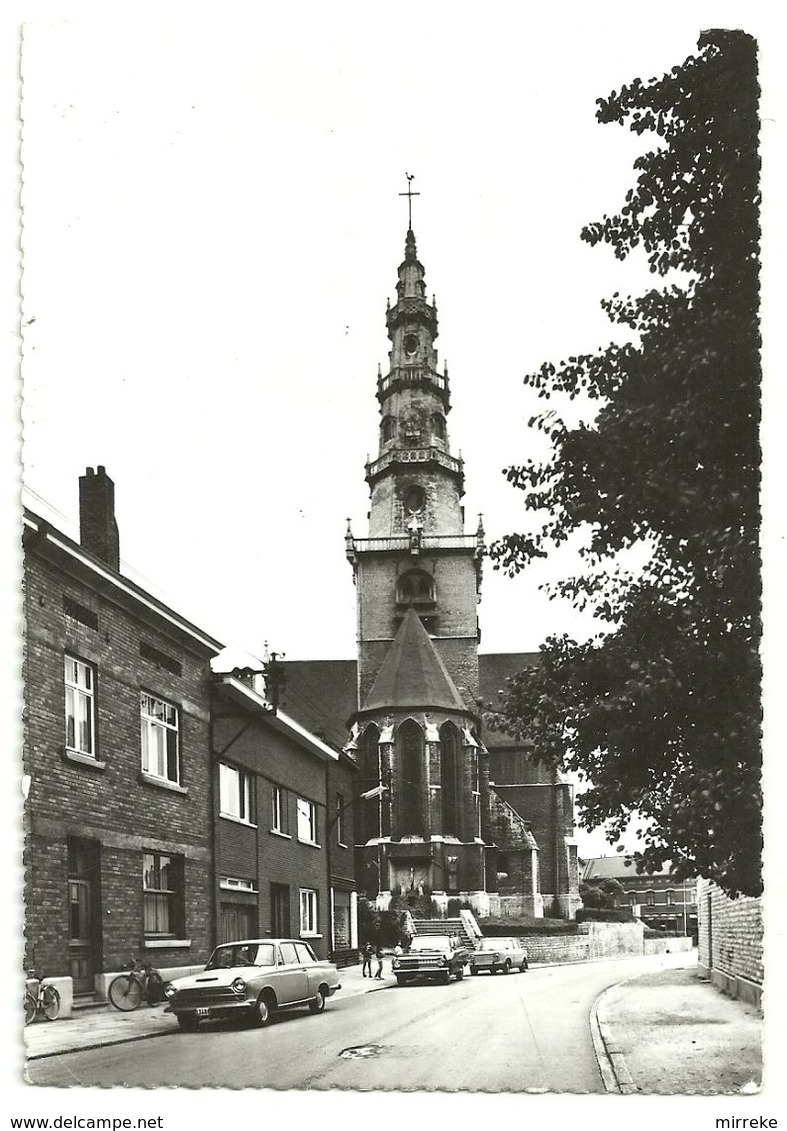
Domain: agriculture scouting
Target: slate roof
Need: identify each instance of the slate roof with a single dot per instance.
(617, 868)
(322, 694)
(412, 673)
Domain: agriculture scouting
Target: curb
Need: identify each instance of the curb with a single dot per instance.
(611, 1060)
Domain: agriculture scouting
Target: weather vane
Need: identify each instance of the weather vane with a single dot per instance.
(409, 194)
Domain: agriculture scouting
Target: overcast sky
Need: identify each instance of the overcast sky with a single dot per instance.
(212, 227)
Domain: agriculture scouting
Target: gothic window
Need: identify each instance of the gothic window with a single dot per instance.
(437, 423)
(416, 587)
(450, 780)
(369, 758)
(387, 428)
(410, 761)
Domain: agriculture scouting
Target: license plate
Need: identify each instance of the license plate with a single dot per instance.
(203, 1011)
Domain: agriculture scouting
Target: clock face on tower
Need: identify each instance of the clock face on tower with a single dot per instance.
(410, 345)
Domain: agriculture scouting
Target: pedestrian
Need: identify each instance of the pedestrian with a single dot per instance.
(378, 954)
(367, 959)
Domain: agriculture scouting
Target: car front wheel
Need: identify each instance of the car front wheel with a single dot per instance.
(188, 1023)
(262, 1014)
(507, 967)
(317, 1004)
(473, 969)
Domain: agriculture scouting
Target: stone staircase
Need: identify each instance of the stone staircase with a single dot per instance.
(445, 927)
(89, 1003)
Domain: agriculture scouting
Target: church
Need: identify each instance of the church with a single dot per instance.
(445, 807)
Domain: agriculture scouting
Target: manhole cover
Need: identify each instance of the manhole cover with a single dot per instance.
(360, 1052)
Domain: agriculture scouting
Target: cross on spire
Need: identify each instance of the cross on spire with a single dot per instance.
(409, 194)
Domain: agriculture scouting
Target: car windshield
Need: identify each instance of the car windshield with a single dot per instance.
(430, 942)
(489, 944)
(241, 954)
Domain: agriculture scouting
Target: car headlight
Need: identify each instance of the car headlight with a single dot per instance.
(443, 961)
(396, 964)
(238, 986)
(169, 990)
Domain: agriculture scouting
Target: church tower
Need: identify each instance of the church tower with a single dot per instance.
(418, 580)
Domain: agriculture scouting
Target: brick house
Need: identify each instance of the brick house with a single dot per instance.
(118, 846)
(731, 942)
(145, 773)
(284, 824)
(658, 899)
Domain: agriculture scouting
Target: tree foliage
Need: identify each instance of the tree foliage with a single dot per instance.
(660, 711)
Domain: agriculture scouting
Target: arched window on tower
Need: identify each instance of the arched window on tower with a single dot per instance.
(410, 767)
(387, 429)
(416, 587)
(437, 425)
(369, 750)
(450, 778)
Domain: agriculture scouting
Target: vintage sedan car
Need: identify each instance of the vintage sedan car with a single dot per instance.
(505, 954)
(431, 956)
(256, 978)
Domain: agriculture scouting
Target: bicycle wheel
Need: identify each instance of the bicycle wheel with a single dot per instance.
(50, 1002)
(154, 990)
(125, 992)
(30, 1008)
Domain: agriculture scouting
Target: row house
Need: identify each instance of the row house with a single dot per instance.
(284, 811)
(132, 781)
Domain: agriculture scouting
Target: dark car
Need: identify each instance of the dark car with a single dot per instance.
(431, 956)
(255, 978)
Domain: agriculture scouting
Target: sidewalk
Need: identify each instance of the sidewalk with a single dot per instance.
(672, 1033)
(95, 1028)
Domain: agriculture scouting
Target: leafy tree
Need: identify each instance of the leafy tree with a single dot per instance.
(660, 710)
(604, 894)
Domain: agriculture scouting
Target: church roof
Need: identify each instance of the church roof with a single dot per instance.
(412, 674)
(323, 694)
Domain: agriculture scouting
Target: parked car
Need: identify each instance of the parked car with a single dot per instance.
(431, 956)
(504, 954)
(255, 977)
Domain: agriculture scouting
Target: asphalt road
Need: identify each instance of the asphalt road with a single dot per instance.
(521, 1033)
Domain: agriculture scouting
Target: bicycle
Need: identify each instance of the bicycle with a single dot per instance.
(142, 983)
(45, 1001)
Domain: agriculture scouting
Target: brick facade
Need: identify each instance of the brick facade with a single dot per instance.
(92, 819)
(263, 863)
(731, 941)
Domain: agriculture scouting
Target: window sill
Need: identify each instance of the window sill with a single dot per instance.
(162, 783)
(237, 820)
(310, 935)
(81, 759)
(277, 832)
(309, 843)
(165, 944)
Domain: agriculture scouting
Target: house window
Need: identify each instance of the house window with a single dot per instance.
(670, 897)
(160, 747)
(650, 898)
(633, 899)
(340, 819)
(162, 890)
(308, 911)
(80, 706)
(279, 821)
(235, 793)
(307, 821)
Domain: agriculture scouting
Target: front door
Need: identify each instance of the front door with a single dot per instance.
(83, 938)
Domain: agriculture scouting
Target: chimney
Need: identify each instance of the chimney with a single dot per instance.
(98, 531)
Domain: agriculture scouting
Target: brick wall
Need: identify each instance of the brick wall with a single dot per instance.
(731, 941)
(104, 803)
